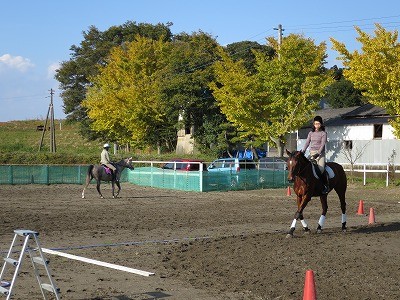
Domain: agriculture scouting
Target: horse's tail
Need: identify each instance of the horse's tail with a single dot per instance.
(89, 177)
(89, 174)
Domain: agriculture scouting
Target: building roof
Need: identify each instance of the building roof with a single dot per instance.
(356, 115)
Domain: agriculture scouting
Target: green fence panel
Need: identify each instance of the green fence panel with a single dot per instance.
(46, 174)
(162, 178)
(207, 181)
(148, 176)
(244, 180)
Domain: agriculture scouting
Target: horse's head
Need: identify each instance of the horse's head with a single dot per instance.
(295, 163)
(128, 163)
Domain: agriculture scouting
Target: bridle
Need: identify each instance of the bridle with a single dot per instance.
(293, 170)
(126, 163)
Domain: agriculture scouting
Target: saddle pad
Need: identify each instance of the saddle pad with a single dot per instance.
(328, 169)
(107, 169)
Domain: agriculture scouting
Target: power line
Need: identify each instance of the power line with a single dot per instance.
(312, 27)
(25, 97)
(348, 21)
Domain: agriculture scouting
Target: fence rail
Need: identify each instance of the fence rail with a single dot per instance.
(373, 168)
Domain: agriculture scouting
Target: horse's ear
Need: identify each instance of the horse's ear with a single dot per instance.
(288, 153)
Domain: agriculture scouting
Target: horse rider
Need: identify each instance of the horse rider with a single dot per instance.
(316, 139)
(105, 160)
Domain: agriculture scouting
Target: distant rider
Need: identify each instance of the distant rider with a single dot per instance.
(105, 160)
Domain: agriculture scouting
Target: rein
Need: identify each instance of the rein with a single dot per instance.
(122, 164)
(302, 169)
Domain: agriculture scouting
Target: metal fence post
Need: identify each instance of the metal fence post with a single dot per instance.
(387, 175)
(201, 177)
(365, 174)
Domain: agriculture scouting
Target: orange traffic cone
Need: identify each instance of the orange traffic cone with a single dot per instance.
(309, 292)
(289, 192)
(360, 208)
(371, 216)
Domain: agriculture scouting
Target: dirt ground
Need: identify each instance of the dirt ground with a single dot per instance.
(216, 245)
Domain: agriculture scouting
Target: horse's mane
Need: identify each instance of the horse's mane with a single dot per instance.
(301, 155)
(123, 159)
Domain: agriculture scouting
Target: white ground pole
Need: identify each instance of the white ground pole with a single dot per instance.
(97, 262)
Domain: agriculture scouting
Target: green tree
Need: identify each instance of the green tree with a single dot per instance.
(342, 93)
(280, 97)
(375, 70)
(125, 99)
(190, 71)
(245, 51)
(74, 74)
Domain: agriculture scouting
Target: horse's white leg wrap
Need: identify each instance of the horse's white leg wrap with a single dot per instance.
(293, 223)
(321, 221)
(304, 223)
(344, 218)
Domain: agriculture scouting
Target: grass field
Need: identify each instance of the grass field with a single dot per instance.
(20, 141)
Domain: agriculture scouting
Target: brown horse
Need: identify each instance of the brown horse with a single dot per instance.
(306, 185)
(99, 173)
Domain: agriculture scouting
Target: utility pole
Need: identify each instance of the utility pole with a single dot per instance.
(50, 112)
(280, 33)
(52, 127)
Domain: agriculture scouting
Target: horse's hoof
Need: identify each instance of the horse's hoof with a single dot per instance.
(289, 235)
(344, 230)
(101, 197)
(83, 197)
(307, 231)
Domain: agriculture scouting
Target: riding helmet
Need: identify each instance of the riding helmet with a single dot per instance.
(106, 145)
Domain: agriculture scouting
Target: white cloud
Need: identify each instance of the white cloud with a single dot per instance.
(51, 70)
(15, 62)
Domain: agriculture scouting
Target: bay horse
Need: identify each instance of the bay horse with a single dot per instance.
(99, 173)
(306, 185)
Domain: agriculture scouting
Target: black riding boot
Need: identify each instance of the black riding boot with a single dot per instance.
(325, 183)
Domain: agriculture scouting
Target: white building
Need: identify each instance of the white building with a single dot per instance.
(361, 131)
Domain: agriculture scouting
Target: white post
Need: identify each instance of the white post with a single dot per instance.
(201, 177)
(387, 175)
(151, 174)
(365, 174)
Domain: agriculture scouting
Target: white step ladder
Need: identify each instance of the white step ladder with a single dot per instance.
(26, 236)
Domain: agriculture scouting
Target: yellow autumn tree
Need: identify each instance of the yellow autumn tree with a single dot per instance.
(125, 100)
(280, 96)
(375, 69)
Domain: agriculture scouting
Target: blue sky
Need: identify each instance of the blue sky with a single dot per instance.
(35, 36)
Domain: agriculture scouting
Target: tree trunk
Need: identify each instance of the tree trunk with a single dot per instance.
(279, 145)
(158, 148)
